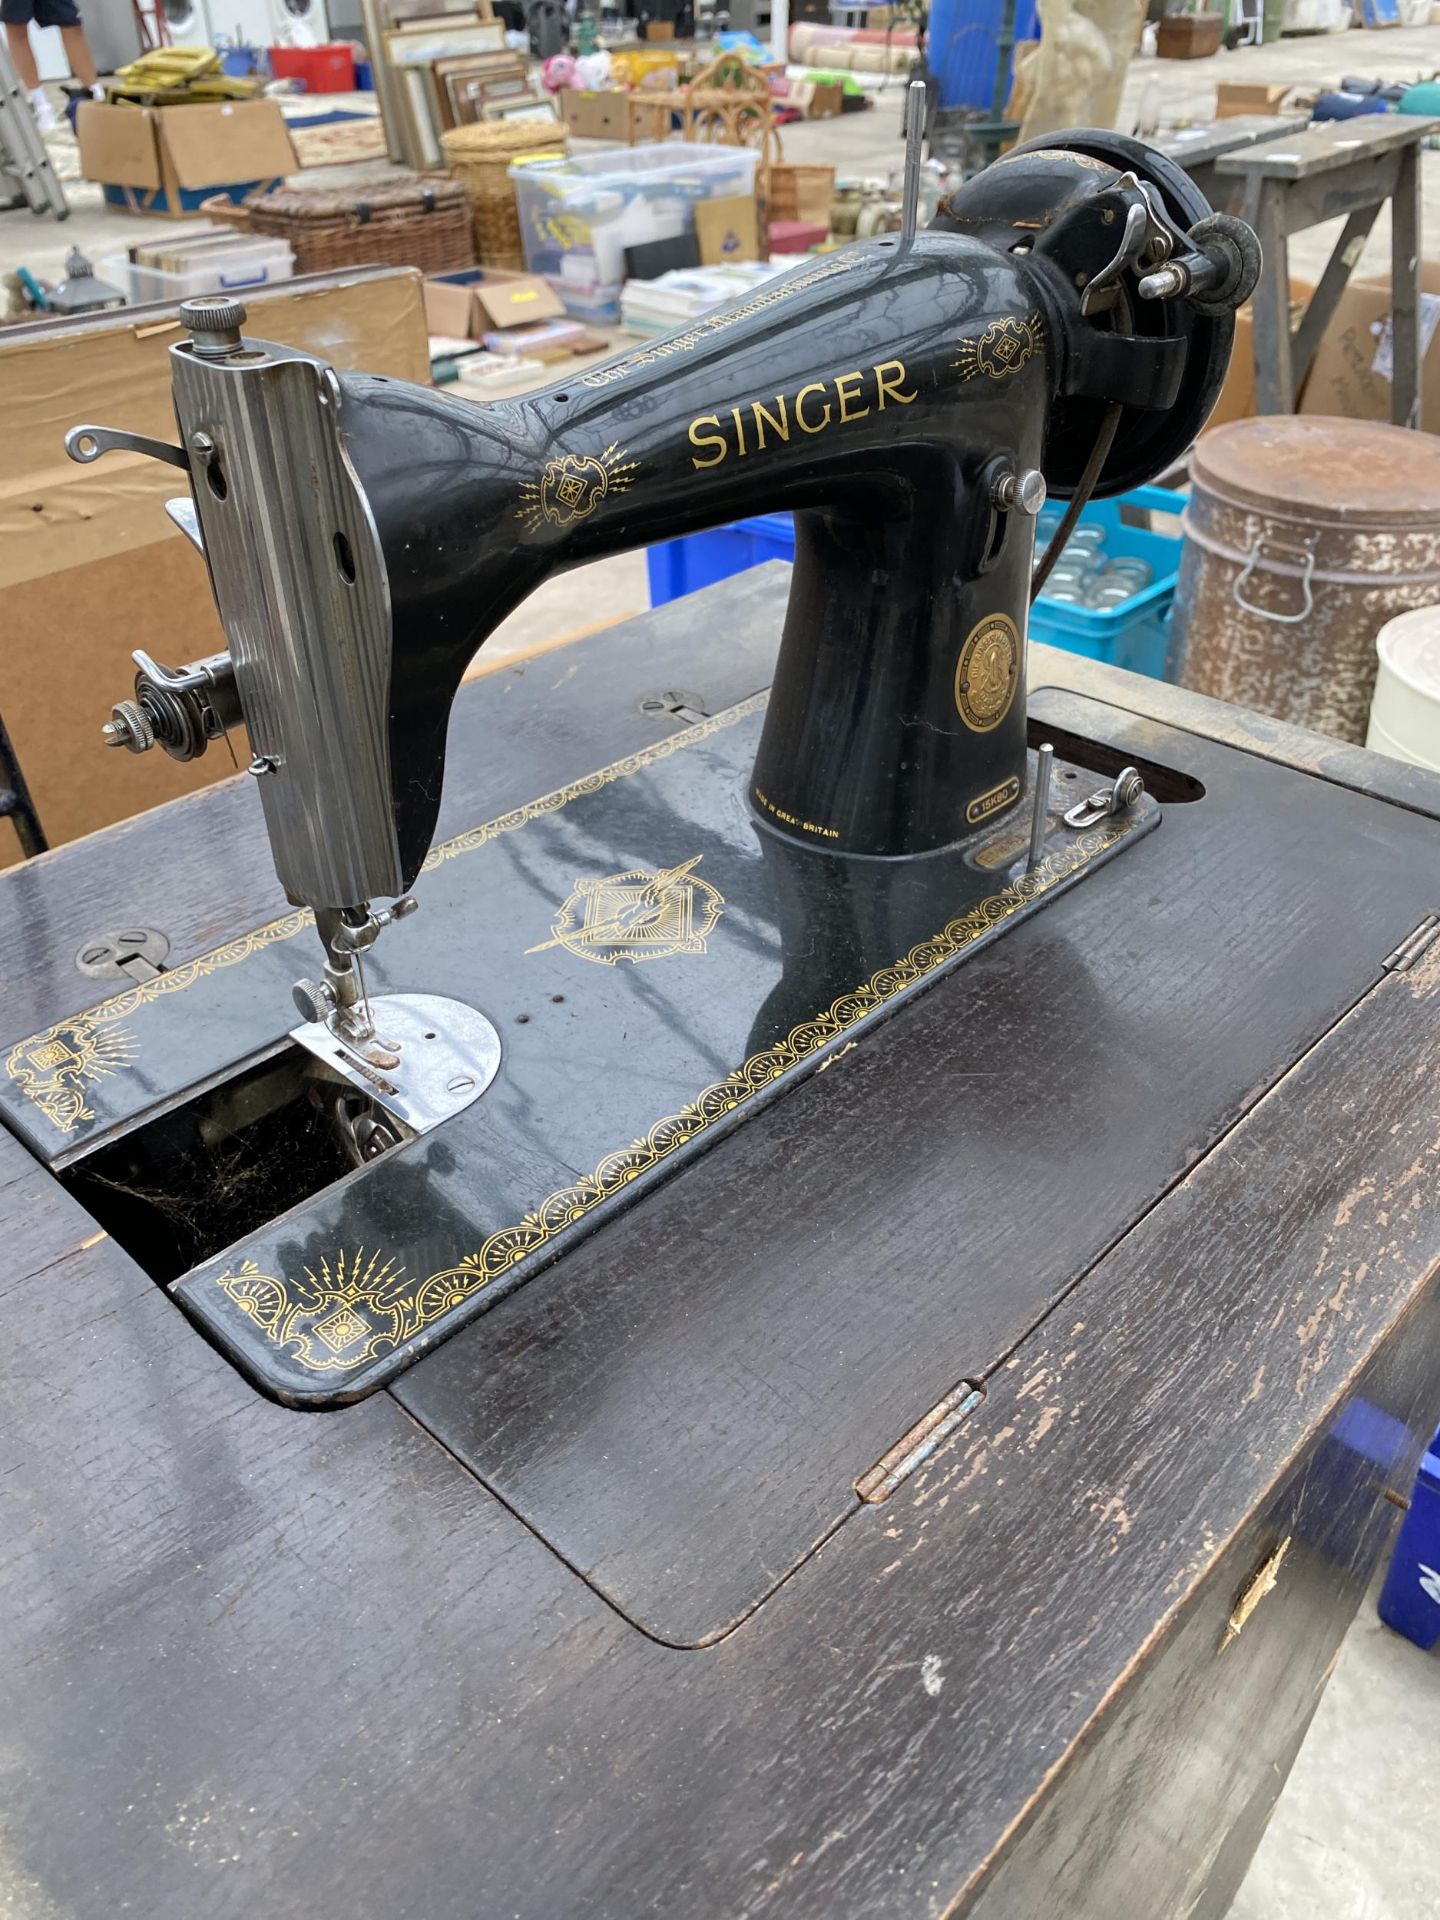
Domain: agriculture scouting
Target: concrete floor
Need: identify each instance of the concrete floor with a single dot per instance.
(1356, 1835)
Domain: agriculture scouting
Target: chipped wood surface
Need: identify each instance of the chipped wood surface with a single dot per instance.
(810, 1290)
(261, 1661)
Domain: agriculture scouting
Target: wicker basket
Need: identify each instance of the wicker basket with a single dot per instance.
(799, 193)
(481, 156)
(421, 222)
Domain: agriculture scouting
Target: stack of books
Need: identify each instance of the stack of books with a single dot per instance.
(655, 306)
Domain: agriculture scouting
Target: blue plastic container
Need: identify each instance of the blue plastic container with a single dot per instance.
(1134, 635)
(1347, 106)
(963, 48)
(1137, 634)
(684, 566)
(1410, 1598)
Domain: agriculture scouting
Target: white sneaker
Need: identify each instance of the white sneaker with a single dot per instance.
(45, 118)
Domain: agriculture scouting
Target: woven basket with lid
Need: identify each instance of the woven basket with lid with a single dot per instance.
(423, 222)
(480, 157)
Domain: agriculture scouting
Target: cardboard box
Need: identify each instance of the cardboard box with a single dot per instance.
(1351, 372)
(594, 116)
(1237, 396)
(166, 160)
(1235, 97)
(482, 299)
(728, 229)
(827, 99)
(91, 568)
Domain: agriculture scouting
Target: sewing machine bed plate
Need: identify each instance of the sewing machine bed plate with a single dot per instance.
(658, 964)
(252, 1658)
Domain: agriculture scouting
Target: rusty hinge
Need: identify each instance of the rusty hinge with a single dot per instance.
(916, 1446)
(1413, 945)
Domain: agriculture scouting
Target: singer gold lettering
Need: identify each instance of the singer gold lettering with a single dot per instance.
(757, 425)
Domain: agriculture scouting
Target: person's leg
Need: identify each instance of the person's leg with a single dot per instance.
(65, 15)
(77, 52)
(17, 15)
(17, 38)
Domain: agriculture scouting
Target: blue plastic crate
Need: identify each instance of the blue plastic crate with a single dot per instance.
(1137, 634)
(1134, 635)
(1410, 1598)
(700, 559)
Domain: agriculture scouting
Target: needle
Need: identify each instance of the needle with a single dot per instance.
(364, 1001)
(914, 135)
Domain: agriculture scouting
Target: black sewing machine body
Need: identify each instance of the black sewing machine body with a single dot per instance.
(902, 397)
(802, 1437)
(750, 897)
(631, 1039)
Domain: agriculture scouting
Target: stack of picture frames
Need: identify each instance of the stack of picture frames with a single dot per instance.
(446, 69)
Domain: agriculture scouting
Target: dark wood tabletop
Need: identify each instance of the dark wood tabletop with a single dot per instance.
(585, 1617)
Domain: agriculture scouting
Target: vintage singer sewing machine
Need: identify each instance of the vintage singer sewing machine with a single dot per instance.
(749, 904)
(861, 1261)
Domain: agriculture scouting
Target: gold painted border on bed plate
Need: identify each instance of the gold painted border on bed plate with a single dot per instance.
(370, 1302)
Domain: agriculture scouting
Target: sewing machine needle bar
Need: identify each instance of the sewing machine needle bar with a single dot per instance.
(1044, 759)
(914, 136)
(364, 992)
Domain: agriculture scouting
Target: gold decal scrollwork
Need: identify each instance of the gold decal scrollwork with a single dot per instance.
(53, 1068)
(572, 487)
(450, 1287)
(338, 1315)
(637, 916)
(1003, 348)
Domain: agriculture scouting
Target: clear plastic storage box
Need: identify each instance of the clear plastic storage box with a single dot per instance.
(579, 214)
(256, 263)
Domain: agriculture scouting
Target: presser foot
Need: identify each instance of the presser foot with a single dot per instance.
(437, 1058)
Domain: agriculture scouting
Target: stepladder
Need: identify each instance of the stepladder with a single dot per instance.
(26, 176)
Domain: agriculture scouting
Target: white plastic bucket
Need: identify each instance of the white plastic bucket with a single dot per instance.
(1405, 711)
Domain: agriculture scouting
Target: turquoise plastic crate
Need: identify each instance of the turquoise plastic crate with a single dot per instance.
(1134, 635)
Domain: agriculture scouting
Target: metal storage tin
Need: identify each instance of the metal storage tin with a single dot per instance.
(1303, 536)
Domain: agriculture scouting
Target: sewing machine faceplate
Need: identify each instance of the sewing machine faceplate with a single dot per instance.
(658, 965)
